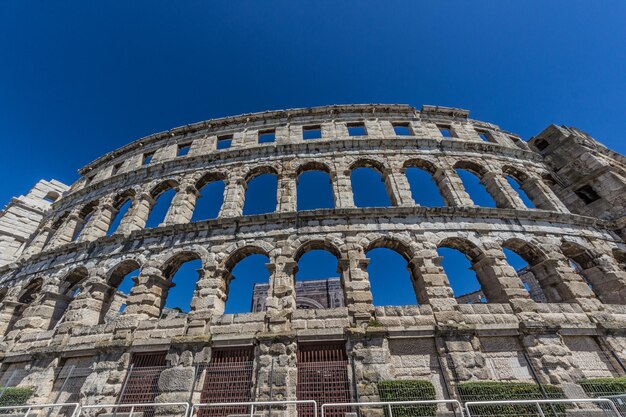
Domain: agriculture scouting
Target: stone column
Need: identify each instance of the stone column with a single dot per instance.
(183, 204)
(137, 215)
(281, 301)
(233, 197)
(342, 188)
(451, 188)
(502, 192)
(608, 280)
(277, 353)
(147, 295)
(498, 279)
(86, 308)
(66, 231)
(209, 300)
(287, 192)
(542, 196)
(430, 281)
(356, 286)
(39, 315)
(398, 188)
(98, 224)
(9, 312)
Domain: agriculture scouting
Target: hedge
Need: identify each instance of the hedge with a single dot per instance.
(14, 396)
(495, 391)
(598, 387)
(408, 390)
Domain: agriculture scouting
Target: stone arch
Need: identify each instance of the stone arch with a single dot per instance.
(310, 171)
(10, 313)
(226, 285)
(208, 188)
(170, 266)
(369, 163)
(162, 187)
(113, 298)
(421, 164)
(68, 289)
(257, 182)
(160, 204)
(209, 177)
(260, 170)
(422, 177)
(486, 191)
(30, 291)
(472, 167)
(84, 217)
(117, 213)
(394, 243)
(536, 188)
(240, 253)
(317, 244)
(313, 166)
(380, 171)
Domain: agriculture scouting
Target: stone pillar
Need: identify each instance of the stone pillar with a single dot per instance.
(287, 192)
(86, 308)
(560, 283)
(281, 301)
(451, 188)
(147, 296)
(608, 279)
(66, 231)
(356, 286)
(40, 240)
(502, 192)
(499, 281)
(183, 204)
(233, 197)
(542, 196)
(137, 215)
(430, 281)
(98, 224)
(10, 309)
(398, 188)
(39, 315)
(209, 300)
(342, 188)
(372, 362)
(277, 353)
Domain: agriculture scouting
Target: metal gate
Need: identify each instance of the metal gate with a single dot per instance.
(228, 379)
(142, 381)
(323, 376)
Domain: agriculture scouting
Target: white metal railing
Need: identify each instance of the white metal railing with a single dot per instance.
(132, 407)
(389, 405)
(74, 407)
(253, 404)
(609, 405)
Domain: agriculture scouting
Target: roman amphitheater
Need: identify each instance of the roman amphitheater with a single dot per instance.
(556, 329)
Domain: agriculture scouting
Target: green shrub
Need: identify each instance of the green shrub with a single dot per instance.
(499, 391)
(14, 396)
(408, 390)
(599, 387)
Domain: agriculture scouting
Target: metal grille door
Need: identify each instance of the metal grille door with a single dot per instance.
(142, 382)
(323, 377)
(228, 378)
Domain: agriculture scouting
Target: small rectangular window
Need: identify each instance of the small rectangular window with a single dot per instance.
(587, 194)
(483, 135)
(224, 142)
(183, 149)
(445, 131)
(116, 168)
(147, 158)
(311, 132)
(356, 129)
(541, 144)
(267, 136)
(402, 129)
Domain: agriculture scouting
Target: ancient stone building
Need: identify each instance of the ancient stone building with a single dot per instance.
(59, 314)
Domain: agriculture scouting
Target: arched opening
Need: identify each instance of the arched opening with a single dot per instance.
(26, 297)
(458, 258)
(210, 198)
(314, 188)
(70, 287)
(121, 207)
(390, 280)
(524, 272)
(84, 216)
(121, 281)
(261, 192)
(424, 189)
(183, 271)
(318, 283)
(51, 196)
(471, 175)
(163, 195)
(248, 283)
(516, 186)
(368, 188)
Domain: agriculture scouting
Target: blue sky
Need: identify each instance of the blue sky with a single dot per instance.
(78, 79)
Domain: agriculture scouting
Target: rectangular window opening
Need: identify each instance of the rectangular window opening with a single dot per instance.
(587, 194)
(483, 135)
(147, 158)
(183, 149)
(267, 136)
(445, 131)
(224, 142)
(356, 129)
(116, 168)
(402, 129)
(312, 132)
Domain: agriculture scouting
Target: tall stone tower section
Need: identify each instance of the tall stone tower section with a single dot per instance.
(22, 215)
